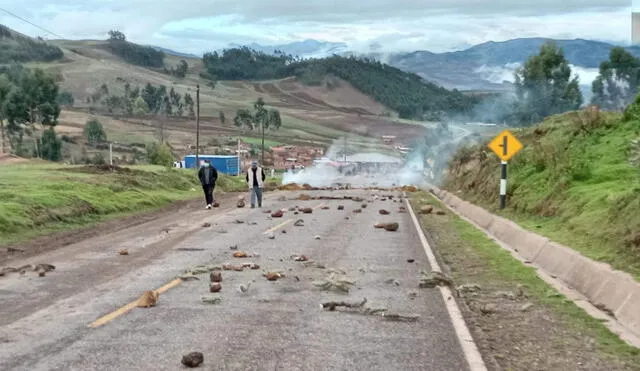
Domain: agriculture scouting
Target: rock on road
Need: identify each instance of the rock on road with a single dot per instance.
(273, 325)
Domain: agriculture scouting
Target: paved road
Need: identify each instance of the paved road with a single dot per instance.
(274, 326)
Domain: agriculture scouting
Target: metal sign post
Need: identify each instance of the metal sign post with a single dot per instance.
(505, 146)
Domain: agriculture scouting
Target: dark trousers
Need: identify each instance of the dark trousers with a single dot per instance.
(208, 193)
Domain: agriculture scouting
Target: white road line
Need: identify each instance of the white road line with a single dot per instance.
(469, 348)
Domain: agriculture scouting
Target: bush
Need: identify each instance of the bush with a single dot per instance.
(51, 146)
(94, 131)
(160, 154)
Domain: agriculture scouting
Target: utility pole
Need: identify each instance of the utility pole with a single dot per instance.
(110, 153)
(262, 127)
(238, 153)
(197, 126)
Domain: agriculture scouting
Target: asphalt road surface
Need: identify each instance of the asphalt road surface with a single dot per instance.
(274, 325)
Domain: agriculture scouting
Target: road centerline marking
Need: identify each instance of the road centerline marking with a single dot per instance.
(127, 308)
(275, 228)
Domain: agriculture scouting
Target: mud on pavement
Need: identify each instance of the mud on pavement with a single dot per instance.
(518, 321)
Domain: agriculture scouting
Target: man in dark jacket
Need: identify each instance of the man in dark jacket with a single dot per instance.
(208, 176)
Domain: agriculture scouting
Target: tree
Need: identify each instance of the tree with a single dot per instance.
(16, 111)
(51, 145)
(65, 98)
(188, 101)
(180, 70)
(544, 85)
(5, 89)
(117, 35)
(160, 154)
(617, 83)
(261, 118)
(140, 107)
(223, 119)
(94, 132)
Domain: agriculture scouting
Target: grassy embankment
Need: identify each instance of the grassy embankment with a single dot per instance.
(576, 181)
(474, 258)
(36, 199)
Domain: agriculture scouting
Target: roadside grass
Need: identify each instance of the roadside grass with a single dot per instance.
(457, 240)
(40, 198)
(573, 182)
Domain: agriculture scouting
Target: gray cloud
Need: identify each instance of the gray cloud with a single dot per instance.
(397, 24)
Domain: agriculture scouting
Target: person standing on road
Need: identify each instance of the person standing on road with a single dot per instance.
(208, 176)
(255, 180)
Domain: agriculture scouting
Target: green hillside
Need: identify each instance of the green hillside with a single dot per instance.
(576, 181)
(403, 92)
(16, 48)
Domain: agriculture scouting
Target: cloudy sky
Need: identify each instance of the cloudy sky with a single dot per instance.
(196, 26)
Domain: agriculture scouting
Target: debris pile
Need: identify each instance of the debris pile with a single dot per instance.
(336, 280)
(41, 269)
(383, 212)
(433, 279)
(359, 307)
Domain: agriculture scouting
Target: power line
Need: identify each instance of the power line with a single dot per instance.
(31, 23)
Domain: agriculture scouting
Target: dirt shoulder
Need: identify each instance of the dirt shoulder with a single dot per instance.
(519, 322)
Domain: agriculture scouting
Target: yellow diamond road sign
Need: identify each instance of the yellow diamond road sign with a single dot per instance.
(505, 145)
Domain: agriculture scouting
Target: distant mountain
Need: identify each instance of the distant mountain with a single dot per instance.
(173, 52)
(304, 49)
(491, 65)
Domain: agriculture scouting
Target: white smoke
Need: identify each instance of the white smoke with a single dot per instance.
(505, 73)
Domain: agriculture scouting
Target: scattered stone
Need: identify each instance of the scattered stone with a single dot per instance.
(295, 213)
(244, 288)
(12, 250)
(440, 212)
(410, 260)
(325, 207)
(215, 204)
(357, 211)
(215, 277)
(340, 207)
(526, 307)
(413, 295)
(148, 299)
(506, 295)
(42, 273)
(240, 254)
(44, 267)
(123, 252)
(316, 237)
(488, 308)
(299, 258)
(271, 236)
(188, 277)
(277, 214)
(433, 279)
(364, 206)
(336, 280)
(238, 221)
(426, 209)
(253, 223)
(215, 287)
(284, 231)
(211, 299)
(299, 223)
(306, 210)
(254, 266)
(267, 211)
(391, 227)
(240, 203)
(229, 267)
(292, 208)
(233, 247)
(604, 308)
(383, 212)
(273, 276)
(471, 287)
(193, 359)
(304, 197)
